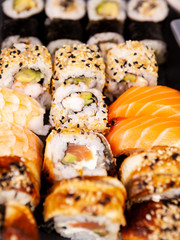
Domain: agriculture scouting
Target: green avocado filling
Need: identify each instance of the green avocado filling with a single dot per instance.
(69, 158)
(108, 9)
(87, 96)
(28, 76)
(22, 5)
(100, 232)
(76, 81)
(130, 77)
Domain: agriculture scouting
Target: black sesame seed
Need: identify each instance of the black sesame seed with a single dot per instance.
(112, 69)
(61, 54)
(90, 59)
(115, 73)
(145, 157)
(38, 54)
(98, 56)
(78, 125)
(20, 64)
(175, 155)
(73, 61)
(6, 65)
(116, 60)
(18, 52)
(75, 48)
(135, 62)
(69, 195)
(135, 54)
(36, 48)
(102, 203)
(157, 160)
(83, 60)
(77, 198)
(87, 64)
(171, 184)
(129, 65)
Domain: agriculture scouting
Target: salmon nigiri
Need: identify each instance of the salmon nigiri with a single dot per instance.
(133, 134)
(154, 101)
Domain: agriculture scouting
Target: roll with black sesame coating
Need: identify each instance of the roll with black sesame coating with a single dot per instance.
(87, 208)
(79, 63)
(76, 106)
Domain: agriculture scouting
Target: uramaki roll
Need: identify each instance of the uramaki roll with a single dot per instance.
(87, 208)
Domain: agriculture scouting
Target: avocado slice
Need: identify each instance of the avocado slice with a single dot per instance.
(22, 5)
(87, 96)
(28, 76)
(85, 80)
(69, 158)
(100, 232)
(108, 9)
(130, 77)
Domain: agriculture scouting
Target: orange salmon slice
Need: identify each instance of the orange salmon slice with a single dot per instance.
(81, 152)
(87, 225)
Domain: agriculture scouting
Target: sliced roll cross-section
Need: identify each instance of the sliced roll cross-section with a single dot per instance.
(87, 208)
(76, 106)
(71, 154)
(152, 174)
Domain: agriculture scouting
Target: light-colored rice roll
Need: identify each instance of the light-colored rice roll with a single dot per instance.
(87, 208)
(22, 8)
(17, 222)
(18, 108)
(147, 10)
(79, 63)
(71, 154)
(27, 68)
(18, 181)
(106, 9)
(74, 9)
(10, 41)
(152, 174)
(130, 64)
(76, 106)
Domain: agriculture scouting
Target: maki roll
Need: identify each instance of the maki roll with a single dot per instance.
(17, 222)
(18, 108)
(76, 106)
(22, 8)
(70, 154)
(106, 9)
(64, 9)
(27, 68)
(153, 220)
(79, 63)
(87, 208)
(147, 10)
(130, 64)
(105, 34)
(152, 174)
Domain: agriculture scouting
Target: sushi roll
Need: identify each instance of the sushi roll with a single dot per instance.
(18, 182)
(87, 208)
(152, 174)
(76, 106)
(22, 8)
(106, 9)
(150, 33)
(70, 154)
(17, 222)
(130, 64)
(105, 34)
(151, 220)
(79, 63)
(10, 41)
(147, 10)
(18, 108)
(175, 4)
(64, 9)
(27, 68)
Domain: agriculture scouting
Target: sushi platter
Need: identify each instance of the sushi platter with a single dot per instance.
(89, 119)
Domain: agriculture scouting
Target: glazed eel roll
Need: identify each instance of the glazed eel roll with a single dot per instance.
(27, 68)
(79, 63)
(76, 106)
(17, 222)
(152, 220)
(152, 174)
(87, 208)
(71, 154)
(130, 64)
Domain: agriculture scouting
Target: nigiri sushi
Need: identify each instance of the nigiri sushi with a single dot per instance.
(133, 134)
(150, 101)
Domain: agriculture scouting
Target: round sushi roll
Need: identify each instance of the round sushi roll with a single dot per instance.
(22, 8)
(106, 9)
(79, 63)
(150, 220)
(18, 181)
(10, 41)
(27, 68)
(76, 106)
(70, 154)
(105, 34)
(147, 10)
(152, 174)
(74, 9)
(17, 222)
(87, 208)
(130, 64)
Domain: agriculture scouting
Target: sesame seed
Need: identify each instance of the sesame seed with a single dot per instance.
(36, 48)
(6, 65)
